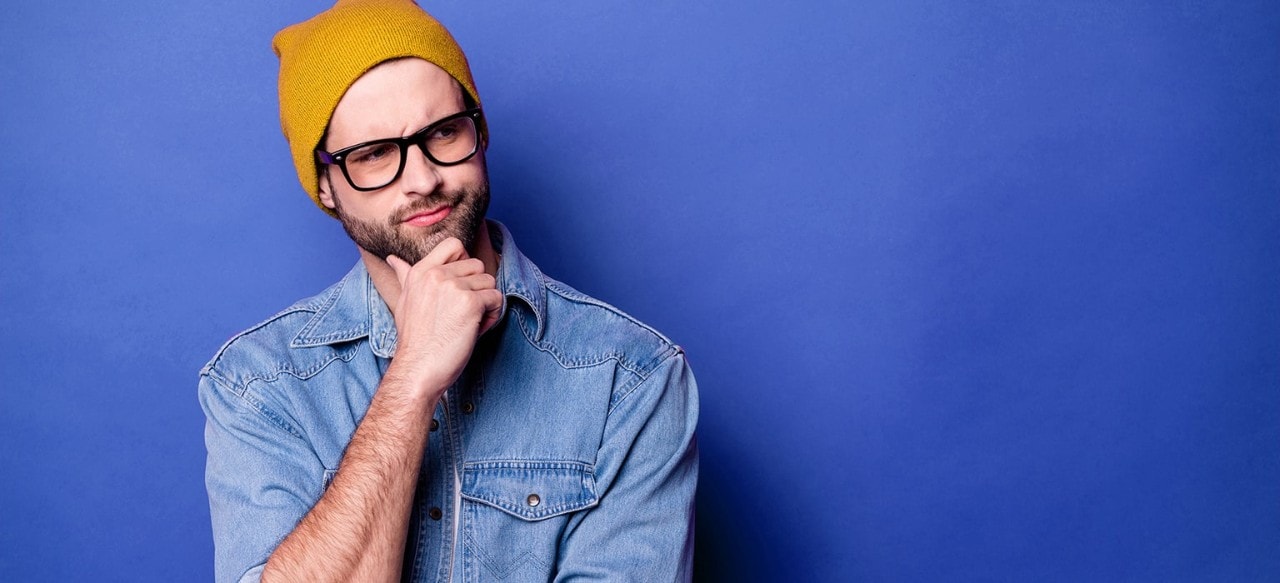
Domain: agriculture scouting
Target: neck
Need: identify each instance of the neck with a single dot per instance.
(388, 285)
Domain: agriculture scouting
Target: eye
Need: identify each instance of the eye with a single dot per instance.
(447, 131)
(372, 153)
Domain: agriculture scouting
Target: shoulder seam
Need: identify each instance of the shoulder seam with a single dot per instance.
(630, 390)
(666, 348)
(581, 298)
(296, 308)
(242, 395)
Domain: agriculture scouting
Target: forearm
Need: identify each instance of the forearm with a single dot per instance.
(356, 531)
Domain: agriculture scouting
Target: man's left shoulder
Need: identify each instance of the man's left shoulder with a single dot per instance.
(585, 330)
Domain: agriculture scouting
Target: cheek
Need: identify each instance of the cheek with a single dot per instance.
(466, 175)
(364, 206)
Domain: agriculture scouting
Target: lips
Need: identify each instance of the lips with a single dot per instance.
(426, 218)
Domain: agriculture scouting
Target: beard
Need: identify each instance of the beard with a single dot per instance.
(467, 208)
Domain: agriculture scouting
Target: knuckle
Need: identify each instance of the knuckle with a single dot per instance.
(436, 275)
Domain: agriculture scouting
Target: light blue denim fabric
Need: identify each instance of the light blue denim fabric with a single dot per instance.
(565, 452)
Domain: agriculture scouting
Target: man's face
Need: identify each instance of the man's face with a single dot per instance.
(428, 203)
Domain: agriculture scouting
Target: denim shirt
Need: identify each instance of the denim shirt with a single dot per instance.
(564, 452)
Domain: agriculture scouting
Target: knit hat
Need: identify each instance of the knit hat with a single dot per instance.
(321, 57)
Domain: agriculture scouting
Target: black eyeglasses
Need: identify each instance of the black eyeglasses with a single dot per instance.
(373, 165)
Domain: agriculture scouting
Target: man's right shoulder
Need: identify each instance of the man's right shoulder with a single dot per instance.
(263, 350)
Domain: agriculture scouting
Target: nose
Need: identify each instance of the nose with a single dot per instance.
(420, 177)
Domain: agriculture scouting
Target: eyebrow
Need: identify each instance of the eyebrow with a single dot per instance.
(413, 133)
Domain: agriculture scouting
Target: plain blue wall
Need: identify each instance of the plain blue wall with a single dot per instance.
(974, 291)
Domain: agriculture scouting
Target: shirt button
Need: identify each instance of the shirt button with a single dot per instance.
(533, 500)
(435, 514)
(435, 425)
(468, 407)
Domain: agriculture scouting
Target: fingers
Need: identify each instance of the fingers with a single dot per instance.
(468, 283)
(464, 268)
(447, 251)
(446, 301)
(492, 299)
(489, 300)
(400, 267)
(479, 281)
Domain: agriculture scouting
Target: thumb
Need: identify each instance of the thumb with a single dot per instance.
(401, 267)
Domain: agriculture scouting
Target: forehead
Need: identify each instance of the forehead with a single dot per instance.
(394, 98)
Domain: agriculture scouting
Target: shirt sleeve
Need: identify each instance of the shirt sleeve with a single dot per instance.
(261, 475)
(647, 469)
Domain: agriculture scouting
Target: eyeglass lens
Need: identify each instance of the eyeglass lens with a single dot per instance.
(379, 164)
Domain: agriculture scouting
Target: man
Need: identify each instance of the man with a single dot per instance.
(445, 412)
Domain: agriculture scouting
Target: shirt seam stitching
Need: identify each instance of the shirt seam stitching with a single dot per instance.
(631, 391)
(256, 405)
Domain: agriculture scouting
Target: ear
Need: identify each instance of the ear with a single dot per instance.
(326, 191)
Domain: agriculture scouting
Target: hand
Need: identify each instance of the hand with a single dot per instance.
(446, 302)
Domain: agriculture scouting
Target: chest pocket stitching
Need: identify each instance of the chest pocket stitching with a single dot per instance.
(561, 487)
(504, 487)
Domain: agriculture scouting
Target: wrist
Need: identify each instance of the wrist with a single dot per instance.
(417, 379)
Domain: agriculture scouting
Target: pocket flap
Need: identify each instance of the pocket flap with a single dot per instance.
(531, 490)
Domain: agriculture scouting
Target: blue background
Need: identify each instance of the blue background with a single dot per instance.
(974, 291)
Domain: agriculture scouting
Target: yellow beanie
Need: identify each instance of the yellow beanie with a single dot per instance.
(321, 57)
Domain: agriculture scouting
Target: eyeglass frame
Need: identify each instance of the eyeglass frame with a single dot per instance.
(339, 157)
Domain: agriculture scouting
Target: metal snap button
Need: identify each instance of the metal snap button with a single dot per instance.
(468, 407)
(435, 424)
(435, 514)
(533, 500)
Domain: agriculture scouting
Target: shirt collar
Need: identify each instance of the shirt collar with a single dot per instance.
(352, 309)
(518, 277)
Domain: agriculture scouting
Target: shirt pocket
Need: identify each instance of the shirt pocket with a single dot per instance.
(514, 513)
